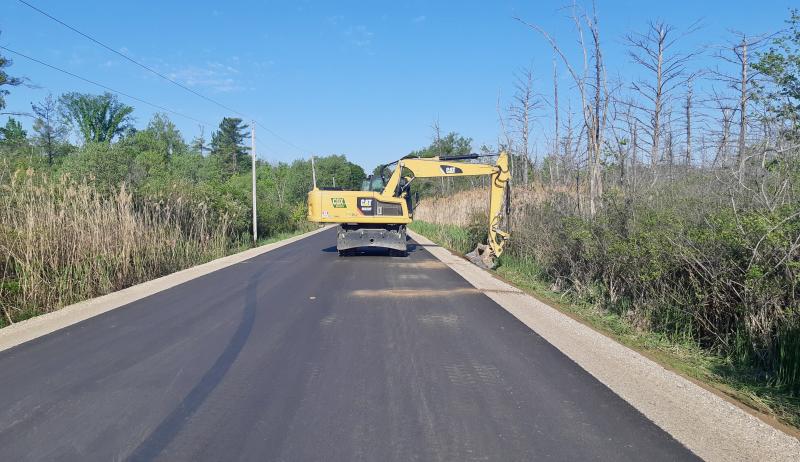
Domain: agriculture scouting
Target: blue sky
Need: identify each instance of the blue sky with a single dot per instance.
(364, 79)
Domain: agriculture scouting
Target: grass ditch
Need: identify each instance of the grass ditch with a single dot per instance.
(774, 404)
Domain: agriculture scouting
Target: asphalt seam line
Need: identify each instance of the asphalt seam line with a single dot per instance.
(706, 424)
(30, 329)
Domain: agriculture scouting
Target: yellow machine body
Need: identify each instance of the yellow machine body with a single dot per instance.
(369, 218)
(369, 207)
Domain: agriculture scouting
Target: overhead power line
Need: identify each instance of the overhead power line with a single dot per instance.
(167, 78)
(123, 55)
(106, 87)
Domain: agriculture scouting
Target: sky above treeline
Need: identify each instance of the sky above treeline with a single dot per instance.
(366, 79)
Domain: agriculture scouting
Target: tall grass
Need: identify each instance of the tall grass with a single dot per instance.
(462, 208)
(62, 241)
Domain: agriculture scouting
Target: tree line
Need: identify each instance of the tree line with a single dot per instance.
(157, 162)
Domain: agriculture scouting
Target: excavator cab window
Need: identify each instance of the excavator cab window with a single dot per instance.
(373, 184)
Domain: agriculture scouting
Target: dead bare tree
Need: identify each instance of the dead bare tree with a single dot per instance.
(507, 143)
(726, 110)
(570, 161)
(669, 142)
(741, 53)
(437, 133)
(556, 138)
(655, 51)
(619, 135)
(524, 103)
(634, 129)
(687, 107)
(591, 83)
(737, 53)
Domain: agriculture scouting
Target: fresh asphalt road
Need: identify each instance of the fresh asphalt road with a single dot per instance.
(299, 354)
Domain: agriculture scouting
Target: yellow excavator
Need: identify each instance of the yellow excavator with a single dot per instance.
(377, 215)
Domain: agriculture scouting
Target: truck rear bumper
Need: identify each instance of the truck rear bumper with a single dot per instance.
(388, 237)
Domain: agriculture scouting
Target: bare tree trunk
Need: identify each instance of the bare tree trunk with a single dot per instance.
(557, 139)
(737, 53)
(703, 151)
(670, 150)
(596, 180)
(568, 159)
(525, 101)
(743, 107)
(437, 133)
(688, 108)
(659, 94)
(594, 107)
(635, 151)
(722, 149)
(654, 50)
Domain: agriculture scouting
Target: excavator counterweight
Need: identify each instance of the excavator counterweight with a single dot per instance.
(377, 216)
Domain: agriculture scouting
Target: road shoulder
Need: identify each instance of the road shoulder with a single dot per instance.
(711, 427)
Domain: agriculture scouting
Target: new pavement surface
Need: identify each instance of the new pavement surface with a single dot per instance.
(298, 355)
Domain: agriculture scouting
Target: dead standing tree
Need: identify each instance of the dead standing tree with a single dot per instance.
(737, 53)
(591, 83)
(687, 107)
(654, 50)
(521, 113)
(556, 137)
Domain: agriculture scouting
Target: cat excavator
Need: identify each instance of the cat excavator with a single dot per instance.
(377, 215)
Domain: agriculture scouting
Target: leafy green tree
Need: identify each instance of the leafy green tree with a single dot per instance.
(167, 136)
(99, 118)
(50, 131)
(161, 136)
(13, 133)
(782, 65)
(16, 151)
(6, 80)
(227, 144)
(336, 171)
(332, 171)
(105, 164)
(451, 144)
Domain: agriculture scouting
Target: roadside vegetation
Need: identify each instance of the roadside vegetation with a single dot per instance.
(89, 204)
(677, 237)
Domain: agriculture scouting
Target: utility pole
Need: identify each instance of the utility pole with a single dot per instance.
(313, 172)
(253, 156)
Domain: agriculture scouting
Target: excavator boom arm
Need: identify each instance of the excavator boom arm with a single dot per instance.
(435, 167)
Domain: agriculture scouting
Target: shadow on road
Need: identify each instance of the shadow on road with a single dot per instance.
(370, 251)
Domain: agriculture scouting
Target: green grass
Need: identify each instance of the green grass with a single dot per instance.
(450, 236)
(686, 357)
(246, 242)
(280, 236)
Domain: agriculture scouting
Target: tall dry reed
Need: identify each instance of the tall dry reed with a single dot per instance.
(462, 207)
(61, 241)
